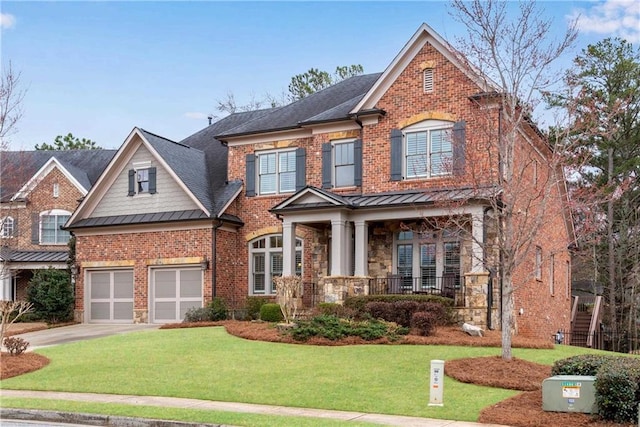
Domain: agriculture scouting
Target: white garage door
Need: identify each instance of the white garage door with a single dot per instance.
(111, 296)
(174, 292)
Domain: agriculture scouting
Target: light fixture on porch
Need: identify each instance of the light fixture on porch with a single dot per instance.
(74, 270)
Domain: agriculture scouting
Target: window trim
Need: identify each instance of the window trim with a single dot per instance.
(7, 220)
(428, 126)
(334, 165)
(278, 152)
(268, 251)
(53, 213)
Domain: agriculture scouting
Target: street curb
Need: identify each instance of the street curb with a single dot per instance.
(93, 419)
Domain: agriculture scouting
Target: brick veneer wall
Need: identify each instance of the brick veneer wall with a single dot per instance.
(406, 103)
(141, 250)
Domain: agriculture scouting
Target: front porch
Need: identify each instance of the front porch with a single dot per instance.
(475, 298)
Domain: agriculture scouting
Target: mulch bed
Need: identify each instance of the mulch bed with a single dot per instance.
(522, 410)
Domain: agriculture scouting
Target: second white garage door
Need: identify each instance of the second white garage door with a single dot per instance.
(173, 292)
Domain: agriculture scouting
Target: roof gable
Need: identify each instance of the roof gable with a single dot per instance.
(50, 165)
(424, 34)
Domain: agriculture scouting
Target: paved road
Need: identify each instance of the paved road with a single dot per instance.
(65, 334)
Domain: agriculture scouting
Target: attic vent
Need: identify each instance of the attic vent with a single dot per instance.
(428, 80)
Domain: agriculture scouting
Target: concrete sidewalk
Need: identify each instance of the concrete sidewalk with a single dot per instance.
(171, 402)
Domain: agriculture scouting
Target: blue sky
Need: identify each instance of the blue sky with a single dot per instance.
(97, 69)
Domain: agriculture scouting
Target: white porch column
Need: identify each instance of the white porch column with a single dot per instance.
(362, 244)
(477, 240)
(338, 247)
(288, 247)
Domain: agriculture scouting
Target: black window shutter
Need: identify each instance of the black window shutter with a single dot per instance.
(326, 165)
(250, 180)
(301, 168)
(396, 155)
(357, 162)
(35, 228)
(459, 147)
(152, 180)
(132, 182)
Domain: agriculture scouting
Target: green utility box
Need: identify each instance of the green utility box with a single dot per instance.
(569, 393)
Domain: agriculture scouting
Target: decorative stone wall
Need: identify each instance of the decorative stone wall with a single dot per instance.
(476, 302)
(338, 288)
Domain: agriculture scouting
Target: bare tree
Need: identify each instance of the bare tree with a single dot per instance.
(10, 311)
(11, 97)
(514, 53)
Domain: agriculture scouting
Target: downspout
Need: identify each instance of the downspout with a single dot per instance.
(490, 269)
(214, 259)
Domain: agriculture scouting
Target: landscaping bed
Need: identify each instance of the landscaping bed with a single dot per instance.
(523, 410)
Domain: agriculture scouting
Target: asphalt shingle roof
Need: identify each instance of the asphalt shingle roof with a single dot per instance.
(332, 103)
(20, 166)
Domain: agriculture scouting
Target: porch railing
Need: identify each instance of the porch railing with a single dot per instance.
(447, 286)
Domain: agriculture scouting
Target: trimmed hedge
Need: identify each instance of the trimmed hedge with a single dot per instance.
(618, 390)
(271, 312)
(423, 322)
(617, 383)
(333, 309)
(583, 364)
(358, 303)
(253, 305)
(402, 311)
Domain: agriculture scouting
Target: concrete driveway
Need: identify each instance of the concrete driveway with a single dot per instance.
(65, 334)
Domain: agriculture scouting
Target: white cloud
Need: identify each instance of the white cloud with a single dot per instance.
(196, 115)
(7, 20)
(617, 18)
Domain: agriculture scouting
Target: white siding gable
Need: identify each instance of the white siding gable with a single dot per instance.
(169, 196)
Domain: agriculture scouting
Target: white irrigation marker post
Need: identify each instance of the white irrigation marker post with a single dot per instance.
(436, 385)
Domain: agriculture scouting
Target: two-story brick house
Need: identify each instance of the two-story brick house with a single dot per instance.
(380, 183)
(38, 192)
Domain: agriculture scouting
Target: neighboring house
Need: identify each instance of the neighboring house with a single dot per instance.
(39, 190)
(374, 185)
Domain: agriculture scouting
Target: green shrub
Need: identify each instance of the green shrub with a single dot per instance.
(270, 312)
(333, 328)
(51, 294)
(583, 364)
(423, 322)
(197, 314)
(253, 306)
(218, 309)
(618, 389)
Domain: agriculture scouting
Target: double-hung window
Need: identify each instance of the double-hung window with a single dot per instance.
(428, 149)
(277, 172)
(266, 262)
(50, 223)
(344, 164)
(7, 227)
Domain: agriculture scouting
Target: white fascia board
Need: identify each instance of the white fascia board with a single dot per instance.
(171, 172)
(292, 199)
(424, 34)
(50, 165)
(333, 127)
(231, 199)
(268, 137)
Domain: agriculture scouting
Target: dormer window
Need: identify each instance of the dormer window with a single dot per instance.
(142, 179)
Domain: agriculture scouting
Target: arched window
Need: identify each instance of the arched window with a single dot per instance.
(50, 223)
(7, 227)
(265, 263)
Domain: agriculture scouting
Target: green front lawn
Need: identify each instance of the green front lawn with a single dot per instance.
(208, 363)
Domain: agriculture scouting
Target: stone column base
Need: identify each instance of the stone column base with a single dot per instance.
(338, 288)
(140, 316)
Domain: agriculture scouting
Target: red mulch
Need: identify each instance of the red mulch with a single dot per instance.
(523, 410)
